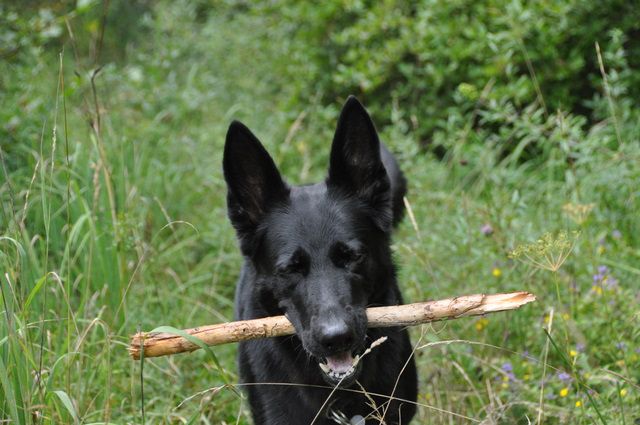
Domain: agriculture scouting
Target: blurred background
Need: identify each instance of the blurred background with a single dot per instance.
(517, 124)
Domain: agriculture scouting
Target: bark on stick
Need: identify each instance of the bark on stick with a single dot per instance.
(157, 344)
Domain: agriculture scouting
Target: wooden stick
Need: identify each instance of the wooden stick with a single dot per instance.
(161, 344)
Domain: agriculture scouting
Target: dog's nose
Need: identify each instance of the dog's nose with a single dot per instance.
(336, 336)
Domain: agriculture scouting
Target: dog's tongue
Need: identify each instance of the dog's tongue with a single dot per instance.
(340, 362)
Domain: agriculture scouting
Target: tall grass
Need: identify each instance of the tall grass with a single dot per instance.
(113, 219)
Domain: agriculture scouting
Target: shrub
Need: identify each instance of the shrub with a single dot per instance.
(436, 59)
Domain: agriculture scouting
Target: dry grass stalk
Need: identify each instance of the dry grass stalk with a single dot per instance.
(162, 344)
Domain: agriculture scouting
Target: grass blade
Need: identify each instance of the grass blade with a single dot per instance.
(66, 402)
(9, 394)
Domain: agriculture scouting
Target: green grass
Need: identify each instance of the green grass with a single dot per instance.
(121, 226)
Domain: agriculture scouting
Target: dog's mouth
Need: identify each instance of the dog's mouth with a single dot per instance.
(340, 369)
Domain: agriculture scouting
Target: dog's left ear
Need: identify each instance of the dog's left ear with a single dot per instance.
(355, 166)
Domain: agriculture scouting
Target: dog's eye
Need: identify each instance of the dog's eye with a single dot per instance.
(343, 256)
(297, 263)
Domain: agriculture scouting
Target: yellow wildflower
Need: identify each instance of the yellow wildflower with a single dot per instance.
(564, 392)
(573, 353)
(481, 324)
(426, 396)
(623, 392)
(496, 272)
(579, 403)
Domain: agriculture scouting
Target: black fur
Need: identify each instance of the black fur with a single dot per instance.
(319, 254)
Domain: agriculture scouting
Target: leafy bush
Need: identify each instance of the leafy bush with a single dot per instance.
(444, 61)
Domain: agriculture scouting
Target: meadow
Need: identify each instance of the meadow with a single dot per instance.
(519, 133)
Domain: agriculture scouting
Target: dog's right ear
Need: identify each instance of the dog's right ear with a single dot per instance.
(355, 165)
(253, 182)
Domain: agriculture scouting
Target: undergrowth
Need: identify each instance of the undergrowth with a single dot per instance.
(113, 219)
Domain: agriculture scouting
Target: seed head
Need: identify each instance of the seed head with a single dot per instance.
(579, 213)
(549, 252)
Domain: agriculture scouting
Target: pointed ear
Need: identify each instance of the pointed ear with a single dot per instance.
(253, 181)
(355, 165)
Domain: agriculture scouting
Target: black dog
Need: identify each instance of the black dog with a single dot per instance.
(320, 255)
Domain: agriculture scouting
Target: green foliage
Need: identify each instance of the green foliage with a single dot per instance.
(439, 60)
(113, 217)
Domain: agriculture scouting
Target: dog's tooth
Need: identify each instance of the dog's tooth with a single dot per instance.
(324, 368)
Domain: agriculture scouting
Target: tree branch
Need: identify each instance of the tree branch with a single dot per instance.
(161, 344)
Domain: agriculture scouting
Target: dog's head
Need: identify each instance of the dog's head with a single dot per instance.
(320, 253)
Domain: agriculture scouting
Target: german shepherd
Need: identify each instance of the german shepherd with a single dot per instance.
(320, 255)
